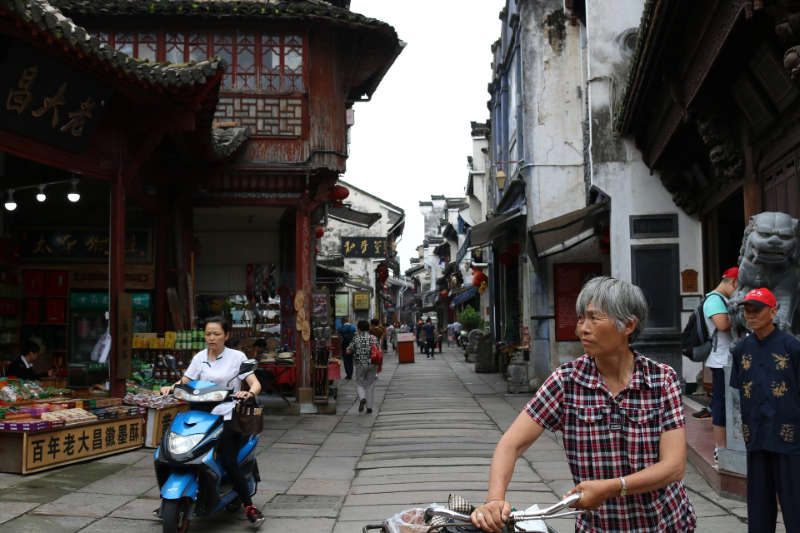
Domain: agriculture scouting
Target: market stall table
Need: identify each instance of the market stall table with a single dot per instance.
(25, 452)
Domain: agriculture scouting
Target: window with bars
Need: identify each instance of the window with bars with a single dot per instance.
(264, 83)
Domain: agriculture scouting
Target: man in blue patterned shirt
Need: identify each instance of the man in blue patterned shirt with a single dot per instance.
(766, 370)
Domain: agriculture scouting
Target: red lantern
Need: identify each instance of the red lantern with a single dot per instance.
(339, 192)
(320, 231)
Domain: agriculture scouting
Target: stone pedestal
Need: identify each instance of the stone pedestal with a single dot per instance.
(733, 458)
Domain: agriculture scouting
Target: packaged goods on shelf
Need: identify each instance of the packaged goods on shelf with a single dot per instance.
(25, 424)
(70, 417)
(152, 400)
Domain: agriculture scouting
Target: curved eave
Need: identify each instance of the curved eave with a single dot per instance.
(42, 18)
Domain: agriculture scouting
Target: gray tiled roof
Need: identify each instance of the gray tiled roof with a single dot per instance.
(225, 141)
(220, 9)
(48, 19)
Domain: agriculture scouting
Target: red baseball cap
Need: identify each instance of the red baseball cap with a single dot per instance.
(761, 296)
(732, 272)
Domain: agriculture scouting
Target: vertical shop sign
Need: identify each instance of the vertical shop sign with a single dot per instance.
(361, 301)
(342, 304)
(568, 279)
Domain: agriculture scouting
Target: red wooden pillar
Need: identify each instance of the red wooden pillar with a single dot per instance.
(161, 264)
(117, 276)
(303, 298)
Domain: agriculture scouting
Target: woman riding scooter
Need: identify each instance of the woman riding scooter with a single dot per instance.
(220, 364)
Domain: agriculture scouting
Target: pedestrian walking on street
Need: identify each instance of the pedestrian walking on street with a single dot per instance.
(429, 330)
(378, 332)
(366, 372)
(766, 370)
(391, 332)
(622, 422)
(347, 332)
(420, 337)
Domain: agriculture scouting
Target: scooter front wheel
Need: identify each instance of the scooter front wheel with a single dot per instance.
(175, 515)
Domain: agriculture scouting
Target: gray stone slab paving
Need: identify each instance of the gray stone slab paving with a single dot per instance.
(139, 509)
(448, 485)
(122, 525)
(39, 524)
(83, 504)
(320, 487)
(122, 485)
(9, 510)
(331, 468)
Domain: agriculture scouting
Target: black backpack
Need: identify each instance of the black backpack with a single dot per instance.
(695, 341)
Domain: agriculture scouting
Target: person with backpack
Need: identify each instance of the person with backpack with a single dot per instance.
(718, 324)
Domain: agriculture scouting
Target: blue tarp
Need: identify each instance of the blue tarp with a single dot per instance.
(464, 296)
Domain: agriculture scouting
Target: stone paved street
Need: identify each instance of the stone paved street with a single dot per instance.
(433, 432)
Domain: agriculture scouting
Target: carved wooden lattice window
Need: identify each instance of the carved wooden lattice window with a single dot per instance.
(263, 86)
(222, 46)
(175, 47)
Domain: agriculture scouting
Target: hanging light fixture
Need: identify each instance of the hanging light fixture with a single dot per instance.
(500, 178)
(10, 203)
(73, 195)
(41, 196)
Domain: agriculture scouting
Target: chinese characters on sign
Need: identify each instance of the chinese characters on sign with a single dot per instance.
(361, 301)
(51, 448)
(46, 100)
(364, 247)
(83, 245)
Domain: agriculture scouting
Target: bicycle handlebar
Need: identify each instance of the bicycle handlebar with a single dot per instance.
(557, 510)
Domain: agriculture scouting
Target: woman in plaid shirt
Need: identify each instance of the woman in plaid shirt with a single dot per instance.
(366, 371)
(622, 422)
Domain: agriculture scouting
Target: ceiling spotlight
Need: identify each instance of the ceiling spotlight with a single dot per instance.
(41, 196)
(73, 195)
(10, 203)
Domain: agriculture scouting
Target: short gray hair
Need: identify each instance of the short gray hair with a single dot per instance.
(621, 300)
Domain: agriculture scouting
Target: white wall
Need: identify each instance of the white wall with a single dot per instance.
(221, 264)
(617, 166)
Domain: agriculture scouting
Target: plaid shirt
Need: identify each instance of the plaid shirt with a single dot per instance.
(609, 437)
(362, 348)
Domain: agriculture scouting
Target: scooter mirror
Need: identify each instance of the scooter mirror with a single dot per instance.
(248, 366)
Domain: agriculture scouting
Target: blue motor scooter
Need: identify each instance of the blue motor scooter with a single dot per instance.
(190, 476)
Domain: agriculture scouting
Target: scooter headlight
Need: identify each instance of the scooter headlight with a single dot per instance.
(179, 444)
(216, 396)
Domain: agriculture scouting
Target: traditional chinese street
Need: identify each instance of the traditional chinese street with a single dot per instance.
(433, 432)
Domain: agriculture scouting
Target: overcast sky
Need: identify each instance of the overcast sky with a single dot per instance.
(412, 140)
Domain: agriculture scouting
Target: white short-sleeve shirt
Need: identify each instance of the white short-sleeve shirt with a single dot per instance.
(220, 371)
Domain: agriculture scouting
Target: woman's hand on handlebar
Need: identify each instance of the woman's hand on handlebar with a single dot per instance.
(243, 394)
(595, 492)
(166, 389)
(492, 515)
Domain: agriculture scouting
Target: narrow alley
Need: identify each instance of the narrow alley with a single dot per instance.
(433, 432)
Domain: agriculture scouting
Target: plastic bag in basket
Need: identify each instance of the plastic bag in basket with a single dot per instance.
(409, 521)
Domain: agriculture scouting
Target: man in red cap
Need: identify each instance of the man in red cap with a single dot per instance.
(715, 309)
(766, 370)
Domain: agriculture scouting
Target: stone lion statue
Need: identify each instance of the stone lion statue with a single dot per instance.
(769, 257)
